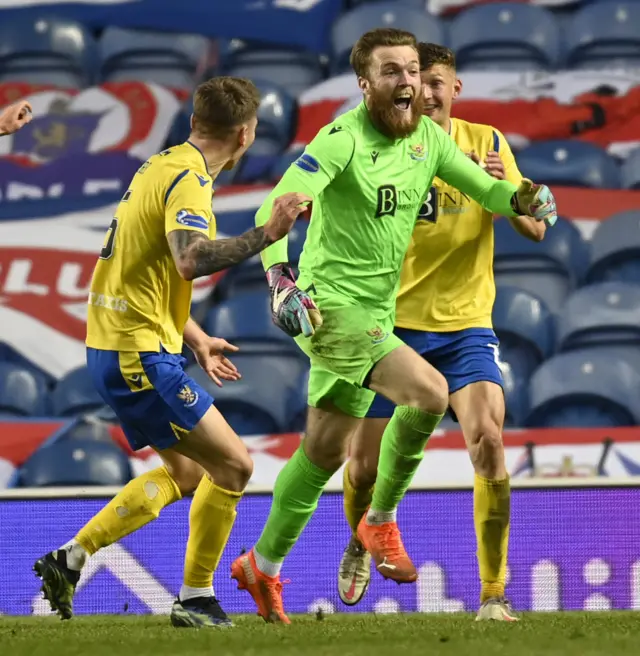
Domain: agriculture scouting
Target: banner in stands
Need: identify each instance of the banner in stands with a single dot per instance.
(45, 270)
(303, 23)
(602, 107)
(543, 453)
(132, 117)
(570, 549)
(451, 6)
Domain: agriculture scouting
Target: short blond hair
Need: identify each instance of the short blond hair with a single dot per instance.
(382, 37)
(222, 104)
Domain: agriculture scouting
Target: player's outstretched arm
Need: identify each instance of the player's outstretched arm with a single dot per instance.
(195, 255)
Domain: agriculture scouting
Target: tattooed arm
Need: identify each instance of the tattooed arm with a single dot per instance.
(196, 255)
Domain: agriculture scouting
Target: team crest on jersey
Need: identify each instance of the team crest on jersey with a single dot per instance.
(377, 335)
(418, 153)
(187, 396)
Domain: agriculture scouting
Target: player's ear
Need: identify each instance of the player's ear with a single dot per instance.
(363, 83)
(243, 135)
(457, 88)
(191, 121)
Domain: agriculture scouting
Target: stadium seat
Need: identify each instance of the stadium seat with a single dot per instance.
(604, 35)
(75, 394)
(505, 36)
(47, 50)
(584, 388)
(235, 223)
(349, 27)
(283, 162)
(630, 170)
(258, 403)
(549, 269)
(615, 249)
(293, 70)
(604, 314)
(76, 462)
(524, 327)
(245, 320)
(573, 163)
(516, 402)
(169, 60)
(22, 391)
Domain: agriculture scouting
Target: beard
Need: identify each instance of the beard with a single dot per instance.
(391, 121)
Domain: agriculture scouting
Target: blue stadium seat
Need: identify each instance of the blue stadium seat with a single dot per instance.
(524, 327)
(572, 163)
(516, 402)
(349, 27)
(615, 249)
(76, 462)
(630, 170)
(235, 223)
(245, 320)
(505, 36)
(46, 50)
(604, 35)
(584, 388)
(170, 60)
(22, 391)
(604, 314)
(256, 165)
(293, 70)
(258, 403)
(75, 394)
(283, 162)
(549, 269)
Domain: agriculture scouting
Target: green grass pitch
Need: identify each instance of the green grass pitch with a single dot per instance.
(548, 634)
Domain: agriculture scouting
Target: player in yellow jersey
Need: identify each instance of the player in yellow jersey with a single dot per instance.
(444, 312)
(161, 238)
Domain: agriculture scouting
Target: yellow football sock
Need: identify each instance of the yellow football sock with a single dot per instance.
(491, 512)
(139, 501)
(356, 501)
(211, 518)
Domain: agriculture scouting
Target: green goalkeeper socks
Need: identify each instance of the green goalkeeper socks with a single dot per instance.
(295, 498)
(401, 452)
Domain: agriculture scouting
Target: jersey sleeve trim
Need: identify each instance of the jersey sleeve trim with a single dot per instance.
(173, 184)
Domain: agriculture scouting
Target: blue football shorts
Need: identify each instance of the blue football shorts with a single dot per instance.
(462, 357)
(156, 402)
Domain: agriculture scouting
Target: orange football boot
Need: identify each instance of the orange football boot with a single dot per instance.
(265, 590)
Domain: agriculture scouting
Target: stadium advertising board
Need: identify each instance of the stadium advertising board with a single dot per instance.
(571, 549)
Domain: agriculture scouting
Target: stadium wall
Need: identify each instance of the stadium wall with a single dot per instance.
(575, 544)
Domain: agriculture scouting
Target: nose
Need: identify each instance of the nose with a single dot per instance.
(407, 79)
(426, 93)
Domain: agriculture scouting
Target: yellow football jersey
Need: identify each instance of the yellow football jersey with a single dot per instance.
(447, 277)
(137, 300)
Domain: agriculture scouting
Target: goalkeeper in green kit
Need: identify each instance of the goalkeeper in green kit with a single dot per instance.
(368, 173)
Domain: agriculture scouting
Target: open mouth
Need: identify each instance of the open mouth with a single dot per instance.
(403, 102)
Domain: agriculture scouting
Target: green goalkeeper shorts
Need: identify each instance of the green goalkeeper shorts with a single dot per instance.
(343, 351)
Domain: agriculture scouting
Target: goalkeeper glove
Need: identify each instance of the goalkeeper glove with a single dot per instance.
(292, 310)
(535, 200)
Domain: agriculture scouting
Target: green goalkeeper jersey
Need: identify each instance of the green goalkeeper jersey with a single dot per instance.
(367, 190)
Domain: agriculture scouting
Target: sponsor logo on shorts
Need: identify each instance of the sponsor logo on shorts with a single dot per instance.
(307, 163)
(187, 396)
(136, 380)
(418, 153)
(377, 335)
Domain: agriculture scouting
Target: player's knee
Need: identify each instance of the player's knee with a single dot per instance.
(326, 454)
(187, 476)
(487, 449)
(430, 393)
(241, 468)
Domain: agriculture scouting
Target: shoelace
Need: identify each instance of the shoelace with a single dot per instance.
(388, 537)
(274, 588)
